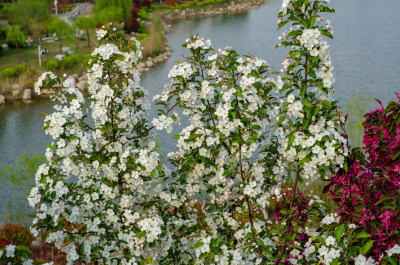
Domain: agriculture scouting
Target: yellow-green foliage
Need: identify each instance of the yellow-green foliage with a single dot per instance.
(154, 43)
(9, 72)
(356, 107)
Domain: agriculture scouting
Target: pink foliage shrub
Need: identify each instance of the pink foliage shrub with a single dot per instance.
(368, 194)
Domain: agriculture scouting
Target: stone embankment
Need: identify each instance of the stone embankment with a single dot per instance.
(26, 94)
(232, 7)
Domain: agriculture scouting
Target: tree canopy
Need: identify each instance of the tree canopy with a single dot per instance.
(32, 15)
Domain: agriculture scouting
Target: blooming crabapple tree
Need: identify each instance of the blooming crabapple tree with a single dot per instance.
(310, 142)
(243, 144)
(219, 181)
(96, 197)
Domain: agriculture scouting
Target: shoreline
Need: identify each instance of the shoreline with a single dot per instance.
(169, 16)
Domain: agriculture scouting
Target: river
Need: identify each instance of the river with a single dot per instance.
(365, 53)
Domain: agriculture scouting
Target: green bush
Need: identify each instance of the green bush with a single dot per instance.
(1, 48)
(17, 234)
(77, 58)
(86, 59)
(143, 13)
(67, 62)
(9, 72)
(52, 65)
(19, 69)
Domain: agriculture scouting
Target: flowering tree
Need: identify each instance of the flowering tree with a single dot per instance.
(249, 140)
(96, 197)
(243, 145)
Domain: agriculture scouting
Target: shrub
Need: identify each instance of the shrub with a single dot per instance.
(147, 3)
(9, 72)
(67, 62)
(368, 193)
(17, 234)
(52, 65)
(1, 48)
(20, 69)
(143, 13)
(135, 24)
(171, 2)
(76, 58)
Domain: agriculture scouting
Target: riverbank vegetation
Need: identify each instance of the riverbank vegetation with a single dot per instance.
(146, 21)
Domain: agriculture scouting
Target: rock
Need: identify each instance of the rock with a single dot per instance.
(141, 65)
(16, 87)
(83, 78)
(81, 85)
(45, 91)
(2, 99)
(149, 63)
(169, 53)
(15, 93)
(65, 49)
(27, 94)
(35, 243)
(59, 57)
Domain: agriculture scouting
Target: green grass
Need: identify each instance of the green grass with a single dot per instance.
(29, 58)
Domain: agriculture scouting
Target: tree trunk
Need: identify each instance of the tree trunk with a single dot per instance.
(60, 44)
(88, 40)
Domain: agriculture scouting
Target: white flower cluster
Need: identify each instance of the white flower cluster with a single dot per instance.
(394, 250)
(362, 260)
(39, 82)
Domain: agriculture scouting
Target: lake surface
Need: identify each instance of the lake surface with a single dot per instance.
(365, 53)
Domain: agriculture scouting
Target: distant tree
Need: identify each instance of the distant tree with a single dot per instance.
(32, 15)
(123, 7)
(15, 38)
(62, 29)
(85, 23)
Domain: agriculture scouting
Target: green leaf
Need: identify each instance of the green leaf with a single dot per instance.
(280, 25)
(311, 21)
(295, 33)
(177, 136)
(367, 246)
(281, 119)
(345, 166)
(51, 146)
(193, 136)
(304, 160)
(339, 232)
(326, 33)
(363, 235)
(306, 103)
(396, 154)
(291, 139)
(198, 244)
(392, 261)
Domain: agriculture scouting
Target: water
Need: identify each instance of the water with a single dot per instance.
(365, 53)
